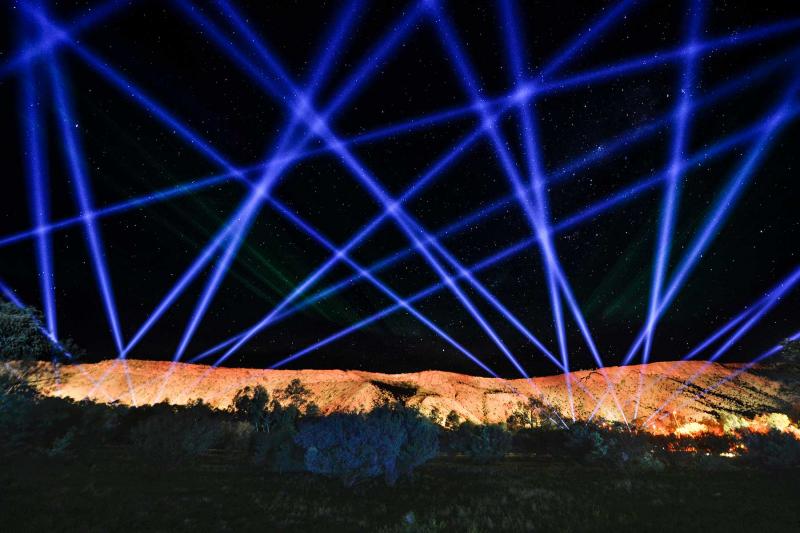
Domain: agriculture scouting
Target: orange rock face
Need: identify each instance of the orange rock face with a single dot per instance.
(673, 395)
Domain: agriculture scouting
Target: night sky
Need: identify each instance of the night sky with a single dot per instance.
(608, 258)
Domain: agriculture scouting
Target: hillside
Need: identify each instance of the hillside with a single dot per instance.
(478, 399)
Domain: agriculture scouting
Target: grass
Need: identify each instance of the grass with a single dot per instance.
(112, 492)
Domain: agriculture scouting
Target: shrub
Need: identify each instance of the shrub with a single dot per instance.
(774, 449)
(421, 442)
(618, 449)
(483, 443)
(170, 436)
(389, 441)
(586, 442)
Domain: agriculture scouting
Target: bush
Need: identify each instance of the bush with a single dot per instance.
(421, 443)
(389, 441)
(483, 443)
(774, 449)
(586, 443)
(618, 449)
(57, 427)
(171, 435)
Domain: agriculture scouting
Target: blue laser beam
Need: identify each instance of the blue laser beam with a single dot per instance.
(567, 223)
(774, 297)
(248, 210)
(73, 151)
(14, 299)
(250, 207)
(563, 173)
(725, 200)
(313, 277)
(744, 368)
(672, 186)
(31, 52)
(39, 194)
(711, 339)
(320, 127)
(593, 32)
(647, 61)
(537, 216)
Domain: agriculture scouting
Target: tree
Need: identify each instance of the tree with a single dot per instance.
(527, 415)
(251, 404)
(790, 353)
(22, 337)
(295, 393)
(452, 421)
(275, 424)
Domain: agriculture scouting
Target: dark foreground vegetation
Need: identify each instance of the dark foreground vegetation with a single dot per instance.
(109, 491)
(273, 463)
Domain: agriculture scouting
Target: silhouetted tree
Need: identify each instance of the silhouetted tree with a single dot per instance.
(790, 353)
(251, 404)
(526, 415)
(22, 338)
(295, 393)
(452, 421)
